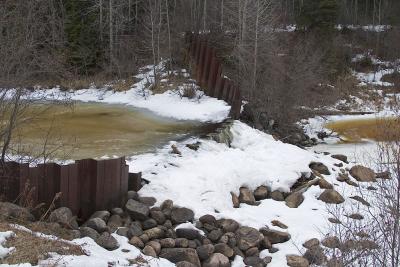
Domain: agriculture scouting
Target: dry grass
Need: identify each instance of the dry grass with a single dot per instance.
(31, 249)
(173, 82)
(392, 78)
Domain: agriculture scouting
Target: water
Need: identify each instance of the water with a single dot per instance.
(88, 130)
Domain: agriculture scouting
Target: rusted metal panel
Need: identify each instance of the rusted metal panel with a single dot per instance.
(135, 181)
(212, 75)
(87, 172)
(9, 181)
(206, 67)
(227, 85)
(201, 61)
(124, 182)
(74, 189)
(100, 186)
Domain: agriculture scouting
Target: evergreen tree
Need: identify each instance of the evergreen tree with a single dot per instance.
(319, 15)
(83, 45)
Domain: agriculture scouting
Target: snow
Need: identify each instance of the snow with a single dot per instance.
(168, 104)
(202, 180)
(3, 238)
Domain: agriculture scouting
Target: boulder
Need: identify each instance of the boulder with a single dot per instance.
(107, 241)
(117, 211)
(137, 242)
(135, 229)
(261, 193)
(97, 224)
(89, 232)
(235, 200)
(266, 243)
(224, 249)
(12, 211)
(102, 214)
(362, 174)
(167, 243)
(167, 204)
(254, 261)
(215, 235)
(296, 261)
(279, 224)
(181, 242)
(114, 222)
(208, 219)
(149, 223)
(248, 237)
(176, 255)
(205, 251)
(181, 215)
(155, 233)
(277, 195)
(158, 216)
(155, 245)
(228, 225)
(331, 242)
(132, 195)
(149, 251)
(294, 200)
(185, 264)
(246, 196)
(217, 260)
(324, 184)
(331, 196)
(64, 217)
(319, 167)
(137, 210)
(252, 252)
(340, 157)
(275, 236)
(311, 243)
(149, 201)
(187, 233)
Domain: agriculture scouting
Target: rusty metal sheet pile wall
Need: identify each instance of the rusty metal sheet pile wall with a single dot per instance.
(87, 185)
(207, 69)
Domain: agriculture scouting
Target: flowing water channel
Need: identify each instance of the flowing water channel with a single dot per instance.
(89, 130)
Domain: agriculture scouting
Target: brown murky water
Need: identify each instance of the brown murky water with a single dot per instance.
(387, 129)
(96, 130)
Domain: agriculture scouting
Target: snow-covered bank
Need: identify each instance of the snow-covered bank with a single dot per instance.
(202, 180)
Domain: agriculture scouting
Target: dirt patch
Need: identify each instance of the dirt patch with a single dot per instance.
(30, 248)
(392, 78)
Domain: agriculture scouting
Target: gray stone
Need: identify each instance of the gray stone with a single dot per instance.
(228, 225)
(107, 241)
(223, 249)
(208, 219)
(252, 252)
(362, 174)
(181, 243)
(215, 235)
(205, 251)
(176, 255)
(149, 201)
(123, 231)
(155, 245)
(192, 244)
(319, 167)
(97, 224)
(149, 223)
(135, 230)
(89, 232)
(102, 214)
(296, 261)
(217, 260)
(294, 200)
(181, 215)
(158, 216)
(185, 264)
(277, 195)
(266, 243)
(137, 242)
(149, 251)
(340, 157)
(248, 237)
(324, 184)
(235, 200)
(315, 255)
(187, 233)
(167, 243)
(114, 222)
(62, 216)
(261, 192)
(167, 204)
(330, 196)
(137, 210)
(279, 224)
(117, 211)
(132, 195)
(155, 233)
(12, 211)
(246, 196)
(274, 236)
(361, 200)
(311, 243)
(331, 242)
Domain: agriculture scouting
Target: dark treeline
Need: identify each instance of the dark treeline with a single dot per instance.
(50, 41)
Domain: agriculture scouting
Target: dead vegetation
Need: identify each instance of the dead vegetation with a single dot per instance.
(30, 248)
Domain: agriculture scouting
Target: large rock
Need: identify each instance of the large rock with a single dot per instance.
(149, 251)
(188, 233)
(331, 196)
(277, 195)
(137, 210)
(158, 216)
(228, 225)
(135, 229)
(137, 242)
(248, 237)
(363, 174)
(319, 167)
(89, 232)
(155, 233)
(261, 192)
(107, 241)
(181, 215)
(208, 219)
(315, 255)
(12, 211)
(64, 217)
(176, 255)
(223, 249)
(254, 261)
(149, 201)
(296, 261)
(331, 242)
(235, 200)
(114, 222)
(275, 236)
(149, 223)
(102, 214)
(205, 251)
(217, 260)
(340, 157)
(185, 264)
(97, 224)
(294, 200)
(167, 243)
(246, 196)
